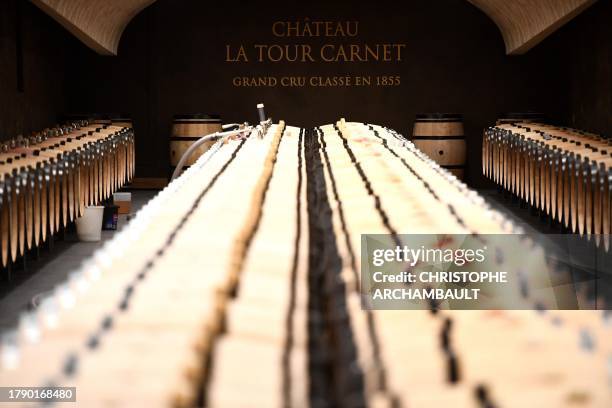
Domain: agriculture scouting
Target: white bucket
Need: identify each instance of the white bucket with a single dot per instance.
(89, 226)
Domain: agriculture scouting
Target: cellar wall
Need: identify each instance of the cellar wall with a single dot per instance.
(174, 58)
(586, 44)
(34, 58)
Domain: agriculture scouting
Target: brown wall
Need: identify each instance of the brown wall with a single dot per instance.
(32, 87)
(586, 44)
(171, 60)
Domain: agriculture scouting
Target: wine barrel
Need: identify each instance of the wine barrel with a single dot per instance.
(518, 117)
(186, 129)
(441, 137)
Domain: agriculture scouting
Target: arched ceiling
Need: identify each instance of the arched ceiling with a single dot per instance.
(97, 23)
(523, 23)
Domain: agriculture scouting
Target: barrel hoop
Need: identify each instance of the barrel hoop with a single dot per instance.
(440, 138)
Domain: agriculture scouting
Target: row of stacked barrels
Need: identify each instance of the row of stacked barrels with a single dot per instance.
(441, 136)
(563, 172)
(48, 178)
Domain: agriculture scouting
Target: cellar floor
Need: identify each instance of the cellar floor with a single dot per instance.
(52, 267)
(522, 217)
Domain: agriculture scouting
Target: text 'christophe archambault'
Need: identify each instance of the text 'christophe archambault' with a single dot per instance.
(418, 284)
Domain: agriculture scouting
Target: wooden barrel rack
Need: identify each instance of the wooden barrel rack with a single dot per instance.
(47, 180)
(564, 173)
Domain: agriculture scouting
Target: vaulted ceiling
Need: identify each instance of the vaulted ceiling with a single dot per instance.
(98, 23)
(523, 23)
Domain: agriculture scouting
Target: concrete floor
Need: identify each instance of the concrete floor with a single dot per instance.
(521, 216)
(53, 267)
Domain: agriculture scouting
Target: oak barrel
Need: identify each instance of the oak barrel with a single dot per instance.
(441, 137)
(186, 129)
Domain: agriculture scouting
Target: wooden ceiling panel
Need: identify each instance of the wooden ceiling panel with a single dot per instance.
(98, 23)
(524, 23)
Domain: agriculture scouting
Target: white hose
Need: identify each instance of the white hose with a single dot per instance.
(199, 142)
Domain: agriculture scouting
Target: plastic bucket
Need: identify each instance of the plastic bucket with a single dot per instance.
(89, 226)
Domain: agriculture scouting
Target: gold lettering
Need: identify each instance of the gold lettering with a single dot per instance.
(291, 56)
(371, 53)
(306, 31)
(260, 48)
(339, 31)
(399, 48)
(363, 81)
(309, 28)
(341, 54)
(294, 82)
(275, 31)
(386, 52)
(355, 51)
(278, 50)
(254, 81)
(334, 81)
(355, 28)
(323, 56)
(293, 28)
(318, 25)
(330, 52)
(306, 53)
(240, 55)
